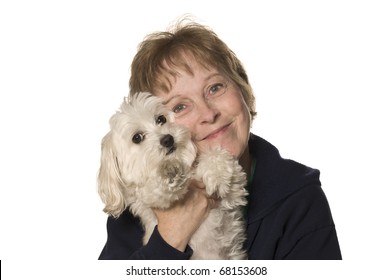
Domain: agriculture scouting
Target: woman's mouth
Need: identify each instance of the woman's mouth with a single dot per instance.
(216, 133)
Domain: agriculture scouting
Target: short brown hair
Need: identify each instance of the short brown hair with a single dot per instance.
(161, 52)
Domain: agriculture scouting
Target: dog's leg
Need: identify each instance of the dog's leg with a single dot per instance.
(225, 179)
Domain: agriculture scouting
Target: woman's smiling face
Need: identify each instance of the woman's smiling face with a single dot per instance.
(210, 106)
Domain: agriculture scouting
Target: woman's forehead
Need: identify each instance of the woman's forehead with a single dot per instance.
(174, 68)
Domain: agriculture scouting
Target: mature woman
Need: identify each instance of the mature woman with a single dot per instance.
(202, 81)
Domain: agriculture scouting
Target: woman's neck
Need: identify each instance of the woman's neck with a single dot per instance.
(246, 162)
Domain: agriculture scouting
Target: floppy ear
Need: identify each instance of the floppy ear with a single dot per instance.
(110, 183)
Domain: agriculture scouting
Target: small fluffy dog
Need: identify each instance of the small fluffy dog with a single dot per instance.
(147, 162)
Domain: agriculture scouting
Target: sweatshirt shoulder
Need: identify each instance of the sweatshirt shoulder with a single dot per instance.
(276, 168)
(276, 178)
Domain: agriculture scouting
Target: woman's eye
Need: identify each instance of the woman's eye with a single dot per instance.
(179, 108)
(217, 89)
(161, 120)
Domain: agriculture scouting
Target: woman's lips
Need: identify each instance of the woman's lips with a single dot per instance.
(218, 132)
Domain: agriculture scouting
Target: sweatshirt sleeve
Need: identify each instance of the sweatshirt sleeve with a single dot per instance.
(321, 244)
(158, 249)
(124, 241)
(309, 231)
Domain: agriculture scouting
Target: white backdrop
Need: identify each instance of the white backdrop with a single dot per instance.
(321, 71)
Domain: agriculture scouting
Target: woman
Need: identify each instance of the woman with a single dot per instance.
(202, 81)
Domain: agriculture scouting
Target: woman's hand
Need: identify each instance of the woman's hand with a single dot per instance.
(177, 224)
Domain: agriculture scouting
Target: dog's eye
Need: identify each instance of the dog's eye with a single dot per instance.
(138, 138)
(161, 120)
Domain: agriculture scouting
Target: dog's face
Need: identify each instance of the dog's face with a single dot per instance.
(142, 136)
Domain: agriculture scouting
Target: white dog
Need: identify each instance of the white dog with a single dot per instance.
(147, 162)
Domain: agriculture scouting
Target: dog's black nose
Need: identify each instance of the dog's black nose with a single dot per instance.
(167, 141)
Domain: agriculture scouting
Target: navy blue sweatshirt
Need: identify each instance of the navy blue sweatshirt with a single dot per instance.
(288, 217)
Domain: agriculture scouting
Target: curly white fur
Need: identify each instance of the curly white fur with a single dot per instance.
(147, 162)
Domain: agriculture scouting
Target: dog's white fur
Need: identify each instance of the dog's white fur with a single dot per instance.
(155, 172)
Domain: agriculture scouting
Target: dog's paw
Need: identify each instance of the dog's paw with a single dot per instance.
(174, 174)
(165, 185)
(220, 171)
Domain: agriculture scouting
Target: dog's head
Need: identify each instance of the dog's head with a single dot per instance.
(142, 135)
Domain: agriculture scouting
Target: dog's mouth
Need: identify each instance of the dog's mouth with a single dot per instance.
(171, 150)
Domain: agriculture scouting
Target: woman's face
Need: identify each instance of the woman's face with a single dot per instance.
(211, 107)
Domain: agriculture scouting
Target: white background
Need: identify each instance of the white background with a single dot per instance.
(321, 71)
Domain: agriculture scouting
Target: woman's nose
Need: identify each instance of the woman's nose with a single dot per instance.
(208, 113)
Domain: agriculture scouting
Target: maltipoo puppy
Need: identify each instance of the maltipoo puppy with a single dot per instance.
(148, 162)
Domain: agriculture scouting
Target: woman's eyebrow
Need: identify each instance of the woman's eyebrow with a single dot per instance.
(213, 75)
(170, 99)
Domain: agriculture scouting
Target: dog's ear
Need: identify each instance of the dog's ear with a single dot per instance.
(110, 183)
